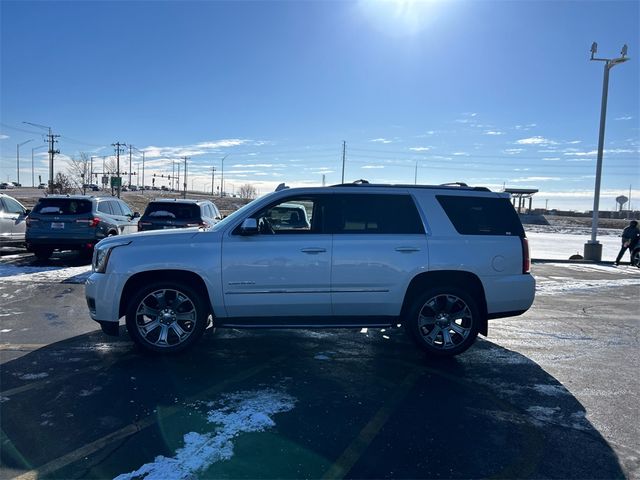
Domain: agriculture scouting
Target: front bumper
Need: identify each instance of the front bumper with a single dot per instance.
(102, 293)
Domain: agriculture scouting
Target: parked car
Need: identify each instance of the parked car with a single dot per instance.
(12, 221)
(441, 260)
(16, 184)
(6, 186)
(42, 186)
(179, 213)
(76, 222)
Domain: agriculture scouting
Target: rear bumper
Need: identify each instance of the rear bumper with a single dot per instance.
(509, 295)
(62, 243)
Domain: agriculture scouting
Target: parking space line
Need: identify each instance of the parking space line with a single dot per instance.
(359, 445)
(135, 427)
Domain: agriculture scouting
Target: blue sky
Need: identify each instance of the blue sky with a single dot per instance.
(487, 92)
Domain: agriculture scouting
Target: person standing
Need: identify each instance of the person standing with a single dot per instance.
(630, 237)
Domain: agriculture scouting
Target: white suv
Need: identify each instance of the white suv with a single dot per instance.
(442, 260)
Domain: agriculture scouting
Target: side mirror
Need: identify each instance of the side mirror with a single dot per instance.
(27, 211)
(249, 226)
(136, 214)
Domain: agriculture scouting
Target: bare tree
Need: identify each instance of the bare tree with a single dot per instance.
(247, 191)
(63, 184)
(78, 170)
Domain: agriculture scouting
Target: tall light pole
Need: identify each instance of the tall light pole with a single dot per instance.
(18, 158)
(222, 177)
(593, 248)
(33, 182)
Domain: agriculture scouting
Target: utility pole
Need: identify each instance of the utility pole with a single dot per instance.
(130, 148)
(184, 193)
(118, 146)
(143, 170)
(52, 152)
(344, 156)
(213, 178)
(593, 248)
(415, 177)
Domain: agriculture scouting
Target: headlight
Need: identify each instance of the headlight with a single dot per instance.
(101, 256)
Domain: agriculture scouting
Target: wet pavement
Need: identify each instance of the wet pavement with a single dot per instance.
(551, 394)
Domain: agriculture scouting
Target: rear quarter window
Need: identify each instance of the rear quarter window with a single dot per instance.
(173, 211)
(481, 215)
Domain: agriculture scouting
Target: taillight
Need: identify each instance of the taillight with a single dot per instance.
(31, 220)
(90, 222)
(526, 258)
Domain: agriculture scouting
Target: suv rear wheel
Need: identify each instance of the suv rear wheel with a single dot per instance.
(443, 321)
(166, 318)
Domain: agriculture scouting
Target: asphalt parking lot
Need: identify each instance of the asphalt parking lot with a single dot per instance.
(550, 394)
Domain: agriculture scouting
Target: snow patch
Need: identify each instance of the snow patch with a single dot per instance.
(33, 376)
(241, 412)
(545, 287)
(27, 274)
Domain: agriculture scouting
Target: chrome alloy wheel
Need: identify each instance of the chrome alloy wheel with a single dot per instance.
(166, 318)
(445, 321)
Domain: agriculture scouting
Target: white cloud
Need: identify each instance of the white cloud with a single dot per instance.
(581, 154)
(460, 154)
(493, 132)
(420, 149)
(513, 151)
(537, 140)
(3, 137)
(525, 127)
(372, 166)
(574, 142)
(625, 117)
(551, 159)
(534, 179)
(381, 140)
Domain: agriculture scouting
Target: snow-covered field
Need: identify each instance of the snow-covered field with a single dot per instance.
(560, 246)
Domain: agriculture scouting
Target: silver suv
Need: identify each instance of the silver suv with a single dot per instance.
(442, 260)
(12, 221)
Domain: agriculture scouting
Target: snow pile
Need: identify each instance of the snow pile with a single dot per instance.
(25, 274)
(240, 412)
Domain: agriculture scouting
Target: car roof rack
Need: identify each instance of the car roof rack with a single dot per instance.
(444, 186)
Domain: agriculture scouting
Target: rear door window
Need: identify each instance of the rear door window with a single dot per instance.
(377, 214)
(125, 209)
(481, 215)
(115, 207)
(104, 207)
(11, 206)
(62, 206)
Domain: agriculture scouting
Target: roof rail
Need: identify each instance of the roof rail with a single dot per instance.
(454, 184)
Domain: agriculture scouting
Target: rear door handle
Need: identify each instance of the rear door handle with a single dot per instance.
(312, 251)
(407, 249)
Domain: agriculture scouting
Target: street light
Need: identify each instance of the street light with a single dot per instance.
(33, 182)
(222, 177)
(18, 158)
(593, 248)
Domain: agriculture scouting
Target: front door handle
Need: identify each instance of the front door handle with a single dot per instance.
(407, 249)
(313, 251)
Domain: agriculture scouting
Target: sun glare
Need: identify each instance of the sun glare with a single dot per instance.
(399, 17)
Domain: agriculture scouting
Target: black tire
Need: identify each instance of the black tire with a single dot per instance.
(443, 321)
(43, 253)
(635, 257)
(166, 317)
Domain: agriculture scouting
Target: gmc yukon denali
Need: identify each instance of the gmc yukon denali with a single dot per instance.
(440, 260)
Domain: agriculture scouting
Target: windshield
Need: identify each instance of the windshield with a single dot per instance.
(237, 214)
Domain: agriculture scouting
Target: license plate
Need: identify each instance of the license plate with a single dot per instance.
(57, 224)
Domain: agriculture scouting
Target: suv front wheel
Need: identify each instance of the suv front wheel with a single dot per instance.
(166, 318)
(443, 321)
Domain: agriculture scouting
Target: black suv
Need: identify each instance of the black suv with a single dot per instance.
(179, 213)
(76, 222)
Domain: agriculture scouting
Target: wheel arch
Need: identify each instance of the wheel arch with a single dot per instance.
(138, 280)
(466, 281)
